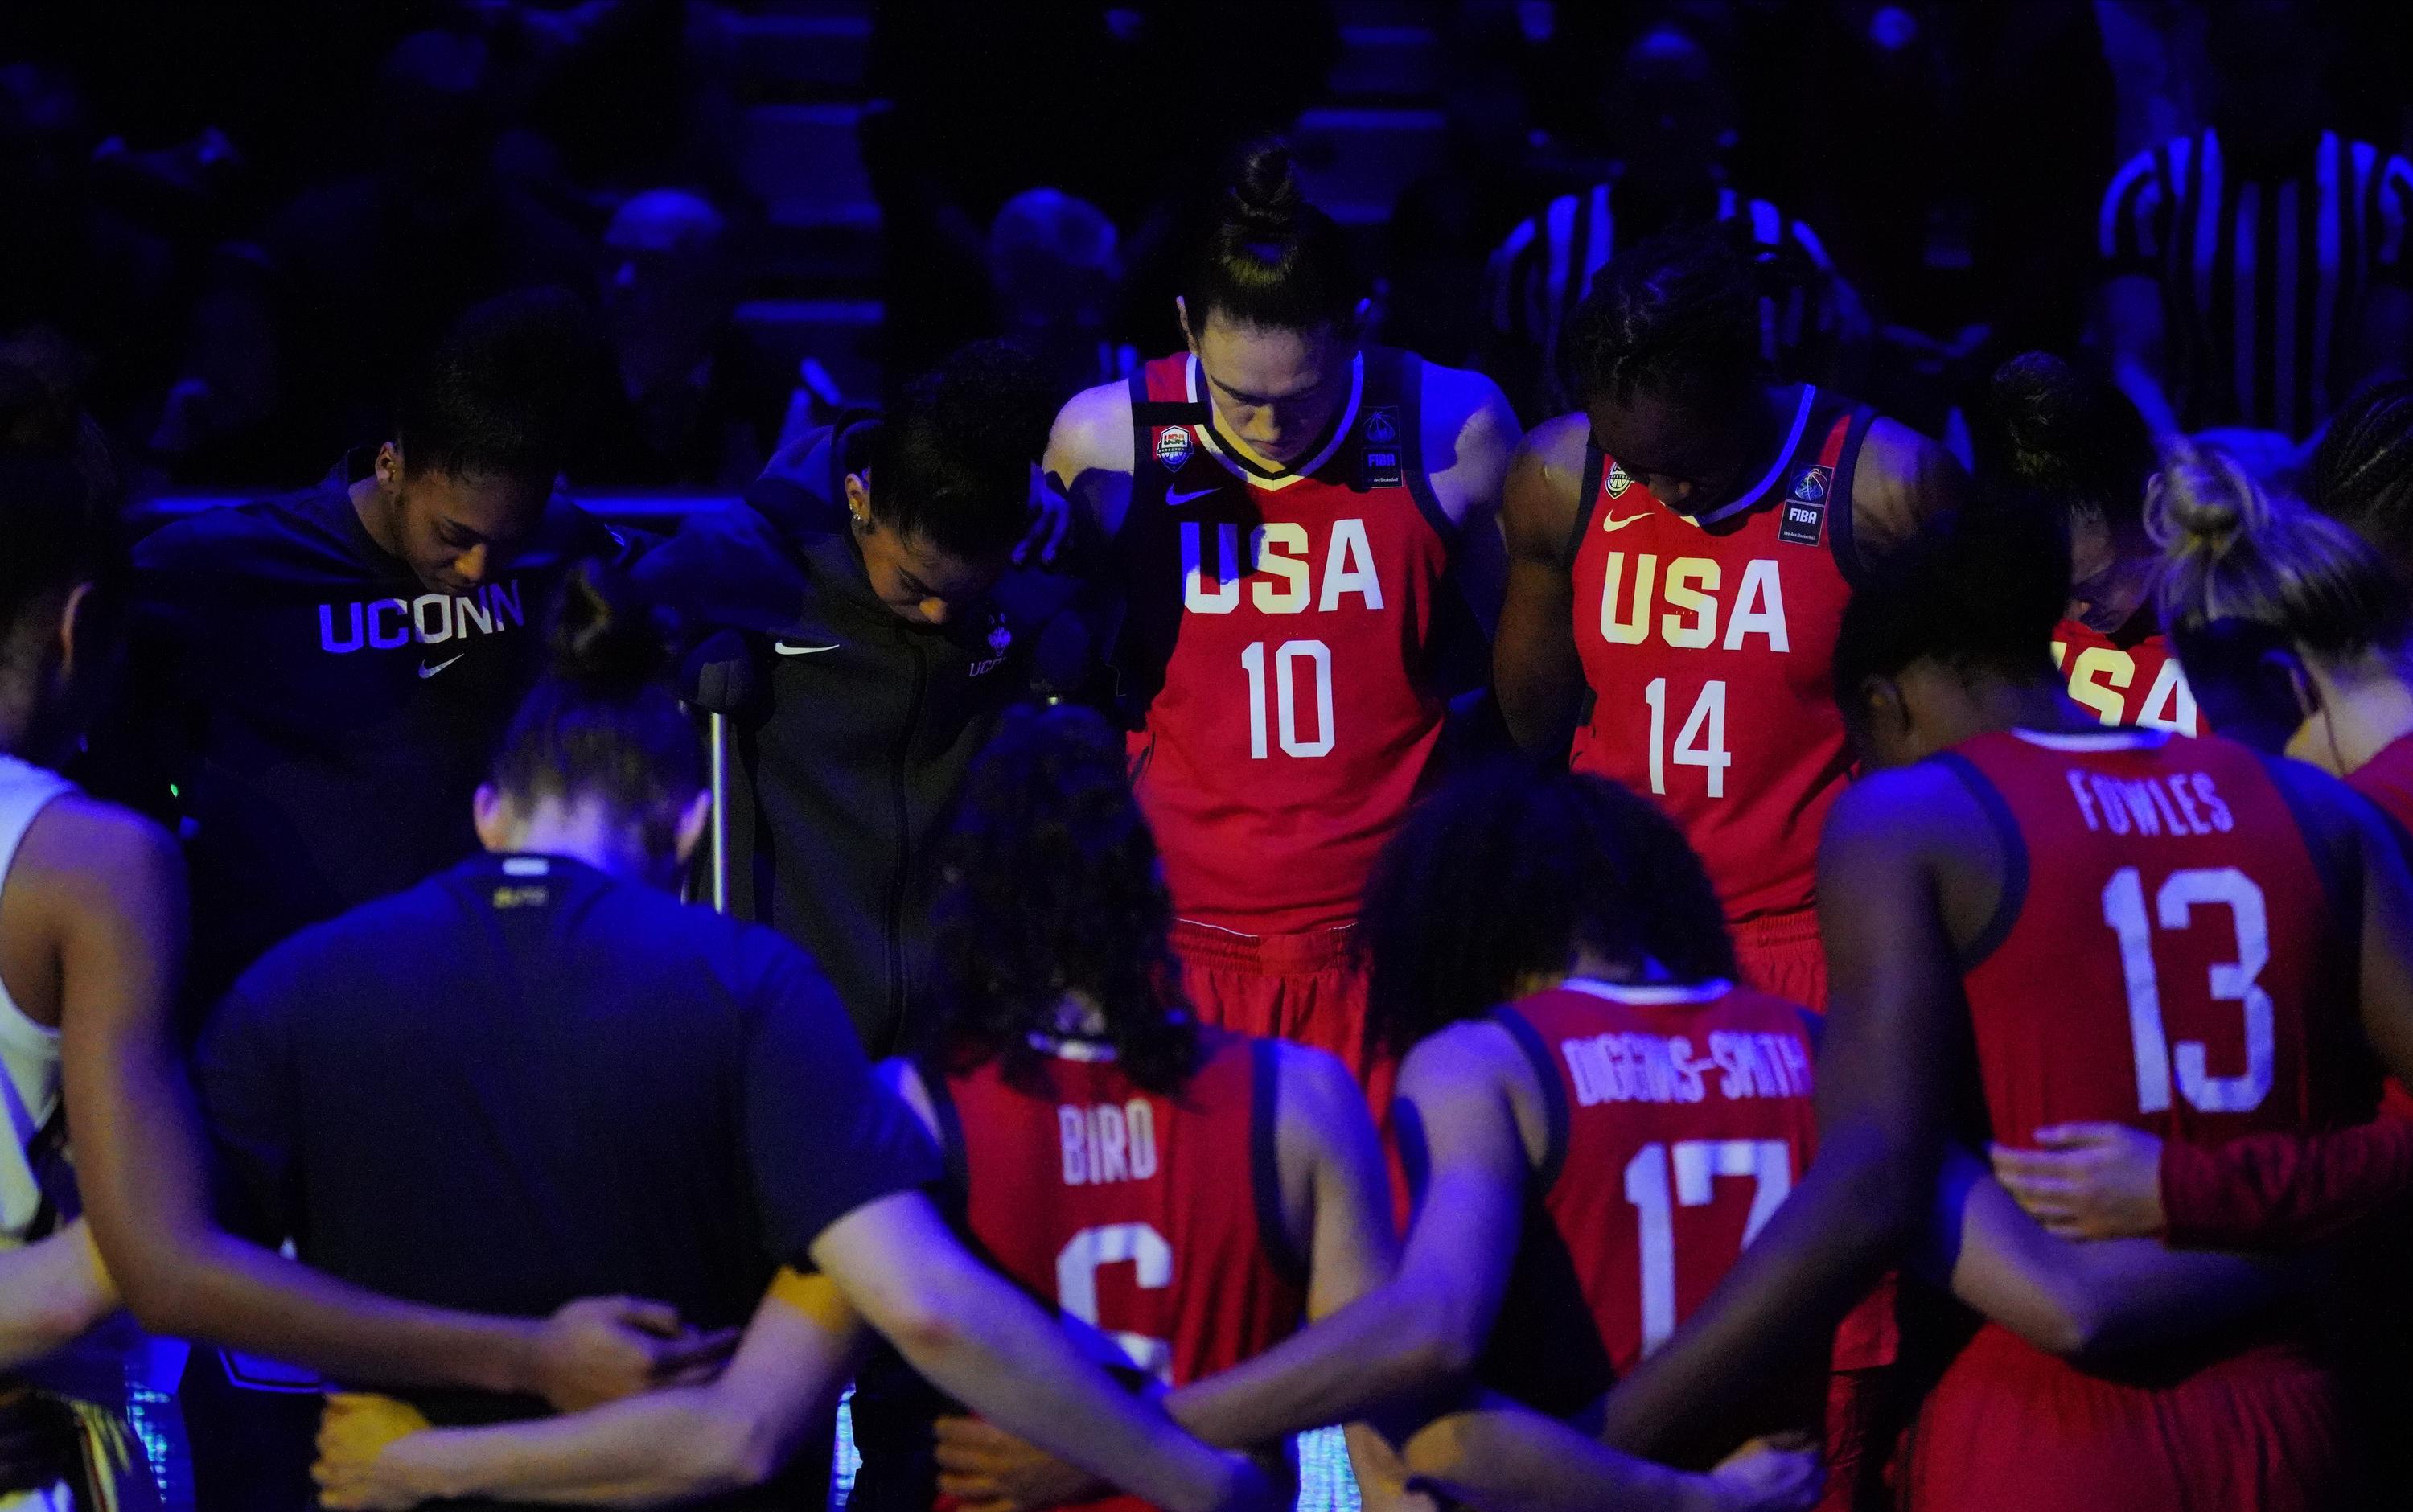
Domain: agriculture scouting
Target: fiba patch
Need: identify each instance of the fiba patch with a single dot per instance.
(1616, 482)
(1381, 433)
(1172, 447)
(1805, 507)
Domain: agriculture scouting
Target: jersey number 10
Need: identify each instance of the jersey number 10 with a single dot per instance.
(2124, 909)
(1286, 660)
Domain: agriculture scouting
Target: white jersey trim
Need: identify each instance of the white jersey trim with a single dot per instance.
(2096, 740)
(1775, 469)
(1649, 995)
(1213, 438)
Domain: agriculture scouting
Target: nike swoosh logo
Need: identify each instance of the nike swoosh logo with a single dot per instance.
(786, 650)
(426, 671)
(1613, 522)
(1177, 500)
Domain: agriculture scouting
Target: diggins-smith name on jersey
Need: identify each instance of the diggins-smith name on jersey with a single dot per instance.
(1647, 1068)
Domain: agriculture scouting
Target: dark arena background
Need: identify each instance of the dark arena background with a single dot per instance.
(1354, 755)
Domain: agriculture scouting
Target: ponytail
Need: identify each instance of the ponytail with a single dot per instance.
(2233, 552)
(603, 723)
(1273, 260)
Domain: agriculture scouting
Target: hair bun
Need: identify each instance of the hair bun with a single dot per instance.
(604, 635)
(2205, 504)
(1266, 193)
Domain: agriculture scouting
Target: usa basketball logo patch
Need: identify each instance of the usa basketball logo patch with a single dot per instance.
(1616, 482)
(1805, 508)
(1172, 447)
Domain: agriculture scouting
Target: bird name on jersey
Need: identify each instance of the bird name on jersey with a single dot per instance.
(1106, 1142)
(1650, 1068)
(1691, 593)
(2178, 804)
(430, 619)
(1282, 558)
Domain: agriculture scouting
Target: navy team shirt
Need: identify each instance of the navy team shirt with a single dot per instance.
(324, 716)
(523, 1081)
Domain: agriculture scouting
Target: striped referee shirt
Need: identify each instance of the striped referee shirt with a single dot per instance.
(1537, 276)
(2262, 281)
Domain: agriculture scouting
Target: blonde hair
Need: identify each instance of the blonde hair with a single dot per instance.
(2233, 551)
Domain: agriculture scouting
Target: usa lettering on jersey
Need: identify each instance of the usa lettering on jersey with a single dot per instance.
(1647, 1068)
(1691, 594)
(430, 619)
(1280, 560)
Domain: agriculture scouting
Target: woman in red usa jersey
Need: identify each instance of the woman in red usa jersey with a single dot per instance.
(1188, 1197)
(1680, 554)
(1303, 529)
(2036, 921)
(2074, 442)
(1511, 1137)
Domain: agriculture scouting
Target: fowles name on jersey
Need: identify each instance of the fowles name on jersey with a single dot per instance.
(430, 619)
(2176, 804)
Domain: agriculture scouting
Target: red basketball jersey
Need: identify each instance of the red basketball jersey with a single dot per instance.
(1709, 652)
(1157, 1220)
(2133, 683)
(2170, 953)
(2386, 780)
(1679, 1117)
(1278, 647)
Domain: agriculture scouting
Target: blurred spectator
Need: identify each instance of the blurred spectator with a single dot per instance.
(691, 399)
(1952, 155)
(2257, 271)
(374, 267)
(1055, 274)
(69, 260)
(1131, 107)
(1446, 221)
(1671, 119)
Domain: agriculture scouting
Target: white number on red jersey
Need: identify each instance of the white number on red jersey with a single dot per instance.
(1151, 1261)
(1701, 743)
(1287, 659)
(2124, 909)
(1697, 1164)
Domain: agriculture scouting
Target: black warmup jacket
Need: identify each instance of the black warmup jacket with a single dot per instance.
(860, 727)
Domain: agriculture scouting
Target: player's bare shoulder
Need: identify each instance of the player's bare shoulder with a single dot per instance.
(1090, 455)
(1544, 489)
(1901, 481)
(1470, 434)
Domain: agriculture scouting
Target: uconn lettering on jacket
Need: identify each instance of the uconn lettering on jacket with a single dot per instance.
(1630, 613)
(1106, 1142)
(1647, 1068)
(2174, 803)
(381, 624)
(1282, 561)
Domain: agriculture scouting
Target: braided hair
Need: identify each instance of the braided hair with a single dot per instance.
(2363, 472)
(1677, 315)
(1503, 875)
